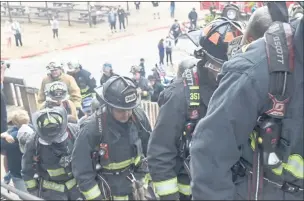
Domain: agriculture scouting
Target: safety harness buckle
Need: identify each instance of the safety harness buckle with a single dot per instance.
(290, 188)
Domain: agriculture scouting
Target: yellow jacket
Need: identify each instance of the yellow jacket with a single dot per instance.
(73, 89)
(71, 110)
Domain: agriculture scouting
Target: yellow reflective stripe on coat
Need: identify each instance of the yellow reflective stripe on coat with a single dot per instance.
(121, 197)
(83, 96)
(123, 164)
(92, 193)
(184, 189)
(70, 184)
(56, 172)
(295, 166)
(31, 183)
(53, 186)
(166, 187)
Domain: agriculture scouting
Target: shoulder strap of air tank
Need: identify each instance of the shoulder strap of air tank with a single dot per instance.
(280, 54)
(101, 115)
(192, 92)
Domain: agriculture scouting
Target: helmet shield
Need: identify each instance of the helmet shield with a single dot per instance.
(50, 124)
(57, 90)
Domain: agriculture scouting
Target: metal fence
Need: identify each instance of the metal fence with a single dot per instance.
(66, 12)
(10, 193)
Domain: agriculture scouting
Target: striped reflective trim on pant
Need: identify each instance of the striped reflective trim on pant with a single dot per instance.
(53, 186)
(70, 184)
(93, 193)
(295, 166)
(184, 189)
(123, 164)
(121, 197)
(56, 172)
(31, 183)
(166, 187)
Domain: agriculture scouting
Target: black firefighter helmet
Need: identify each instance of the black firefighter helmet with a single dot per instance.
(50, 123)
(216, 36)
(118, 92)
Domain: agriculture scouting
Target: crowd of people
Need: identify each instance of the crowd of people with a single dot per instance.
(223, 131)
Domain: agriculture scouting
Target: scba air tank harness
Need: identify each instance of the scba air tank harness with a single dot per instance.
(269, 148)
(102, 154)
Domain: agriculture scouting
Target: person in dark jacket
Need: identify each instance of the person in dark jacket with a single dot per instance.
(192, 16)
(112, 20)
(10, 144)
(142, 67)
(84, 79)
(137, 4)
(172, 8)
(46, 162)
(121, 17)
(182, 104)
(107, 72)
(142, 84)
(157, 88)
(161, 51)
(175, 30)
(155, 9)
(109, 154)
(222, 139)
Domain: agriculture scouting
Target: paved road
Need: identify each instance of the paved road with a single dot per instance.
(122, 53)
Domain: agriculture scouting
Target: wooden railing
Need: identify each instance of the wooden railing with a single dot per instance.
(18, 94)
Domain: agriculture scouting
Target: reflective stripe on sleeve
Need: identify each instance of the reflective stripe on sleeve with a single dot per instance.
(92, 193)
(166, 187)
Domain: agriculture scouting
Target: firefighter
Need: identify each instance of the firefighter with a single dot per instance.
(250, 143)
(55, 73)
(57, 95)
(84, 79)
(111, 148)
(144, 88)
(182, 104)
(107, 72)
(46, 162)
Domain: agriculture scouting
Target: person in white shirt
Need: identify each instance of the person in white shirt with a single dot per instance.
(55, 26)
(168, 46)
(17, 32)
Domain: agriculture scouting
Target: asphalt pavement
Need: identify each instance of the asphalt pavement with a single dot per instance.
(122, 53)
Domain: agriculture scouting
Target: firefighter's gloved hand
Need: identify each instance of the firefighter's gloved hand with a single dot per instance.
(174, 196)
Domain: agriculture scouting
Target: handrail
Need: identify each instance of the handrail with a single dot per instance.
(21, 194)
